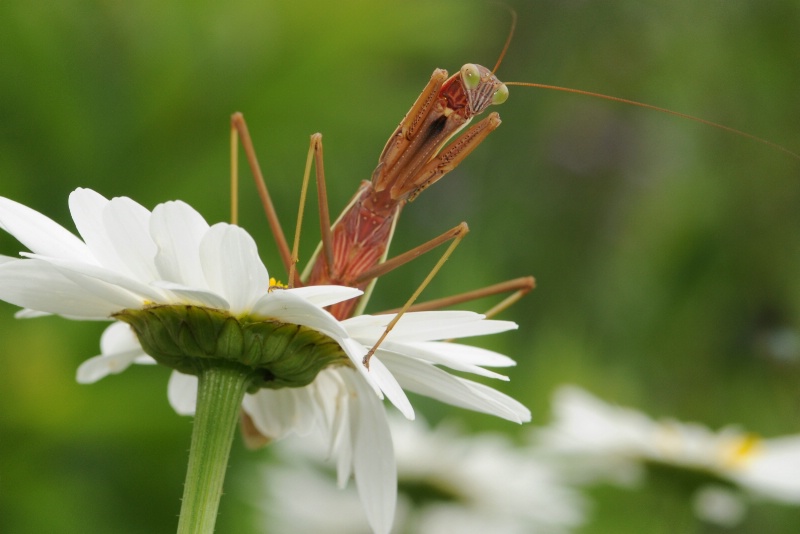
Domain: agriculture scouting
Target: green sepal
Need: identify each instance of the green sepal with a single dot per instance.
(275, 353)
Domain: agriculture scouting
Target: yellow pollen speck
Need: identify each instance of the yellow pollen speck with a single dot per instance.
(275, 284)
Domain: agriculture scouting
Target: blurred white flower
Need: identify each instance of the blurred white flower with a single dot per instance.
(596, 440)
(449, 482)
(719, 505)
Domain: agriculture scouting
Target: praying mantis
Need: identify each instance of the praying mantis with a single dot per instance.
(354, 249)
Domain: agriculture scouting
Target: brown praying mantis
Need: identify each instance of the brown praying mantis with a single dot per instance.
(354, 249)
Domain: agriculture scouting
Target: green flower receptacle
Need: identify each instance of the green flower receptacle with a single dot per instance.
(189, 338)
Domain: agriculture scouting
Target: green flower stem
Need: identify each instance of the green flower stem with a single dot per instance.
(219, 398)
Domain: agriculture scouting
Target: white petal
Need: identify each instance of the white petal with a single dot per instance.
(426, 379)
(30, 314)
(464, 354)
(774, 469)
(198, 297)
(331, 397)
(39, 233)
(367, 326)
(288, 307)
(388, 384)
(101, 366)
(449, 354)
(326, 295)
(374, 465)
(504, 406)
(342, 447)
(177, 230)
(277, 413)
(182, 393)
(128, 226)
(330, 393)
(114, 278)
(43, 287)
(356, 352)
(119, 349)
(232, 267)
(425, 326)
(118, 337)
(103, 290)
(86, 207)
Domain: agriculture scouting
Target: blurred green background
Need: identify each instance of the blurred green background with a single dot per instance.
(667, 253)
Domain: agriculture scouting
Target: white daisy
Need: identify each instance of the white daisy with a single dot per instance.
(603, 441)
(206, 291)
(449, 482)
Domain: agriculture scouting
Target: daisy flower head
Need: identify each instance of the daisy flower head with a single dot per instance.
(190, 292)
(192, 296)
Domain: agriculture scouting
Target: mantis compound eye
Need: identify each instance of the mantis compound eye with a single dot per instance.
(471, 76)
(500, 94)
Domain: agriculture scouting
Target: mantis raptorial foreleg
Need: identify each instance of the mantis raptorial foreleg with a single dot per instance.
(453, 154)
